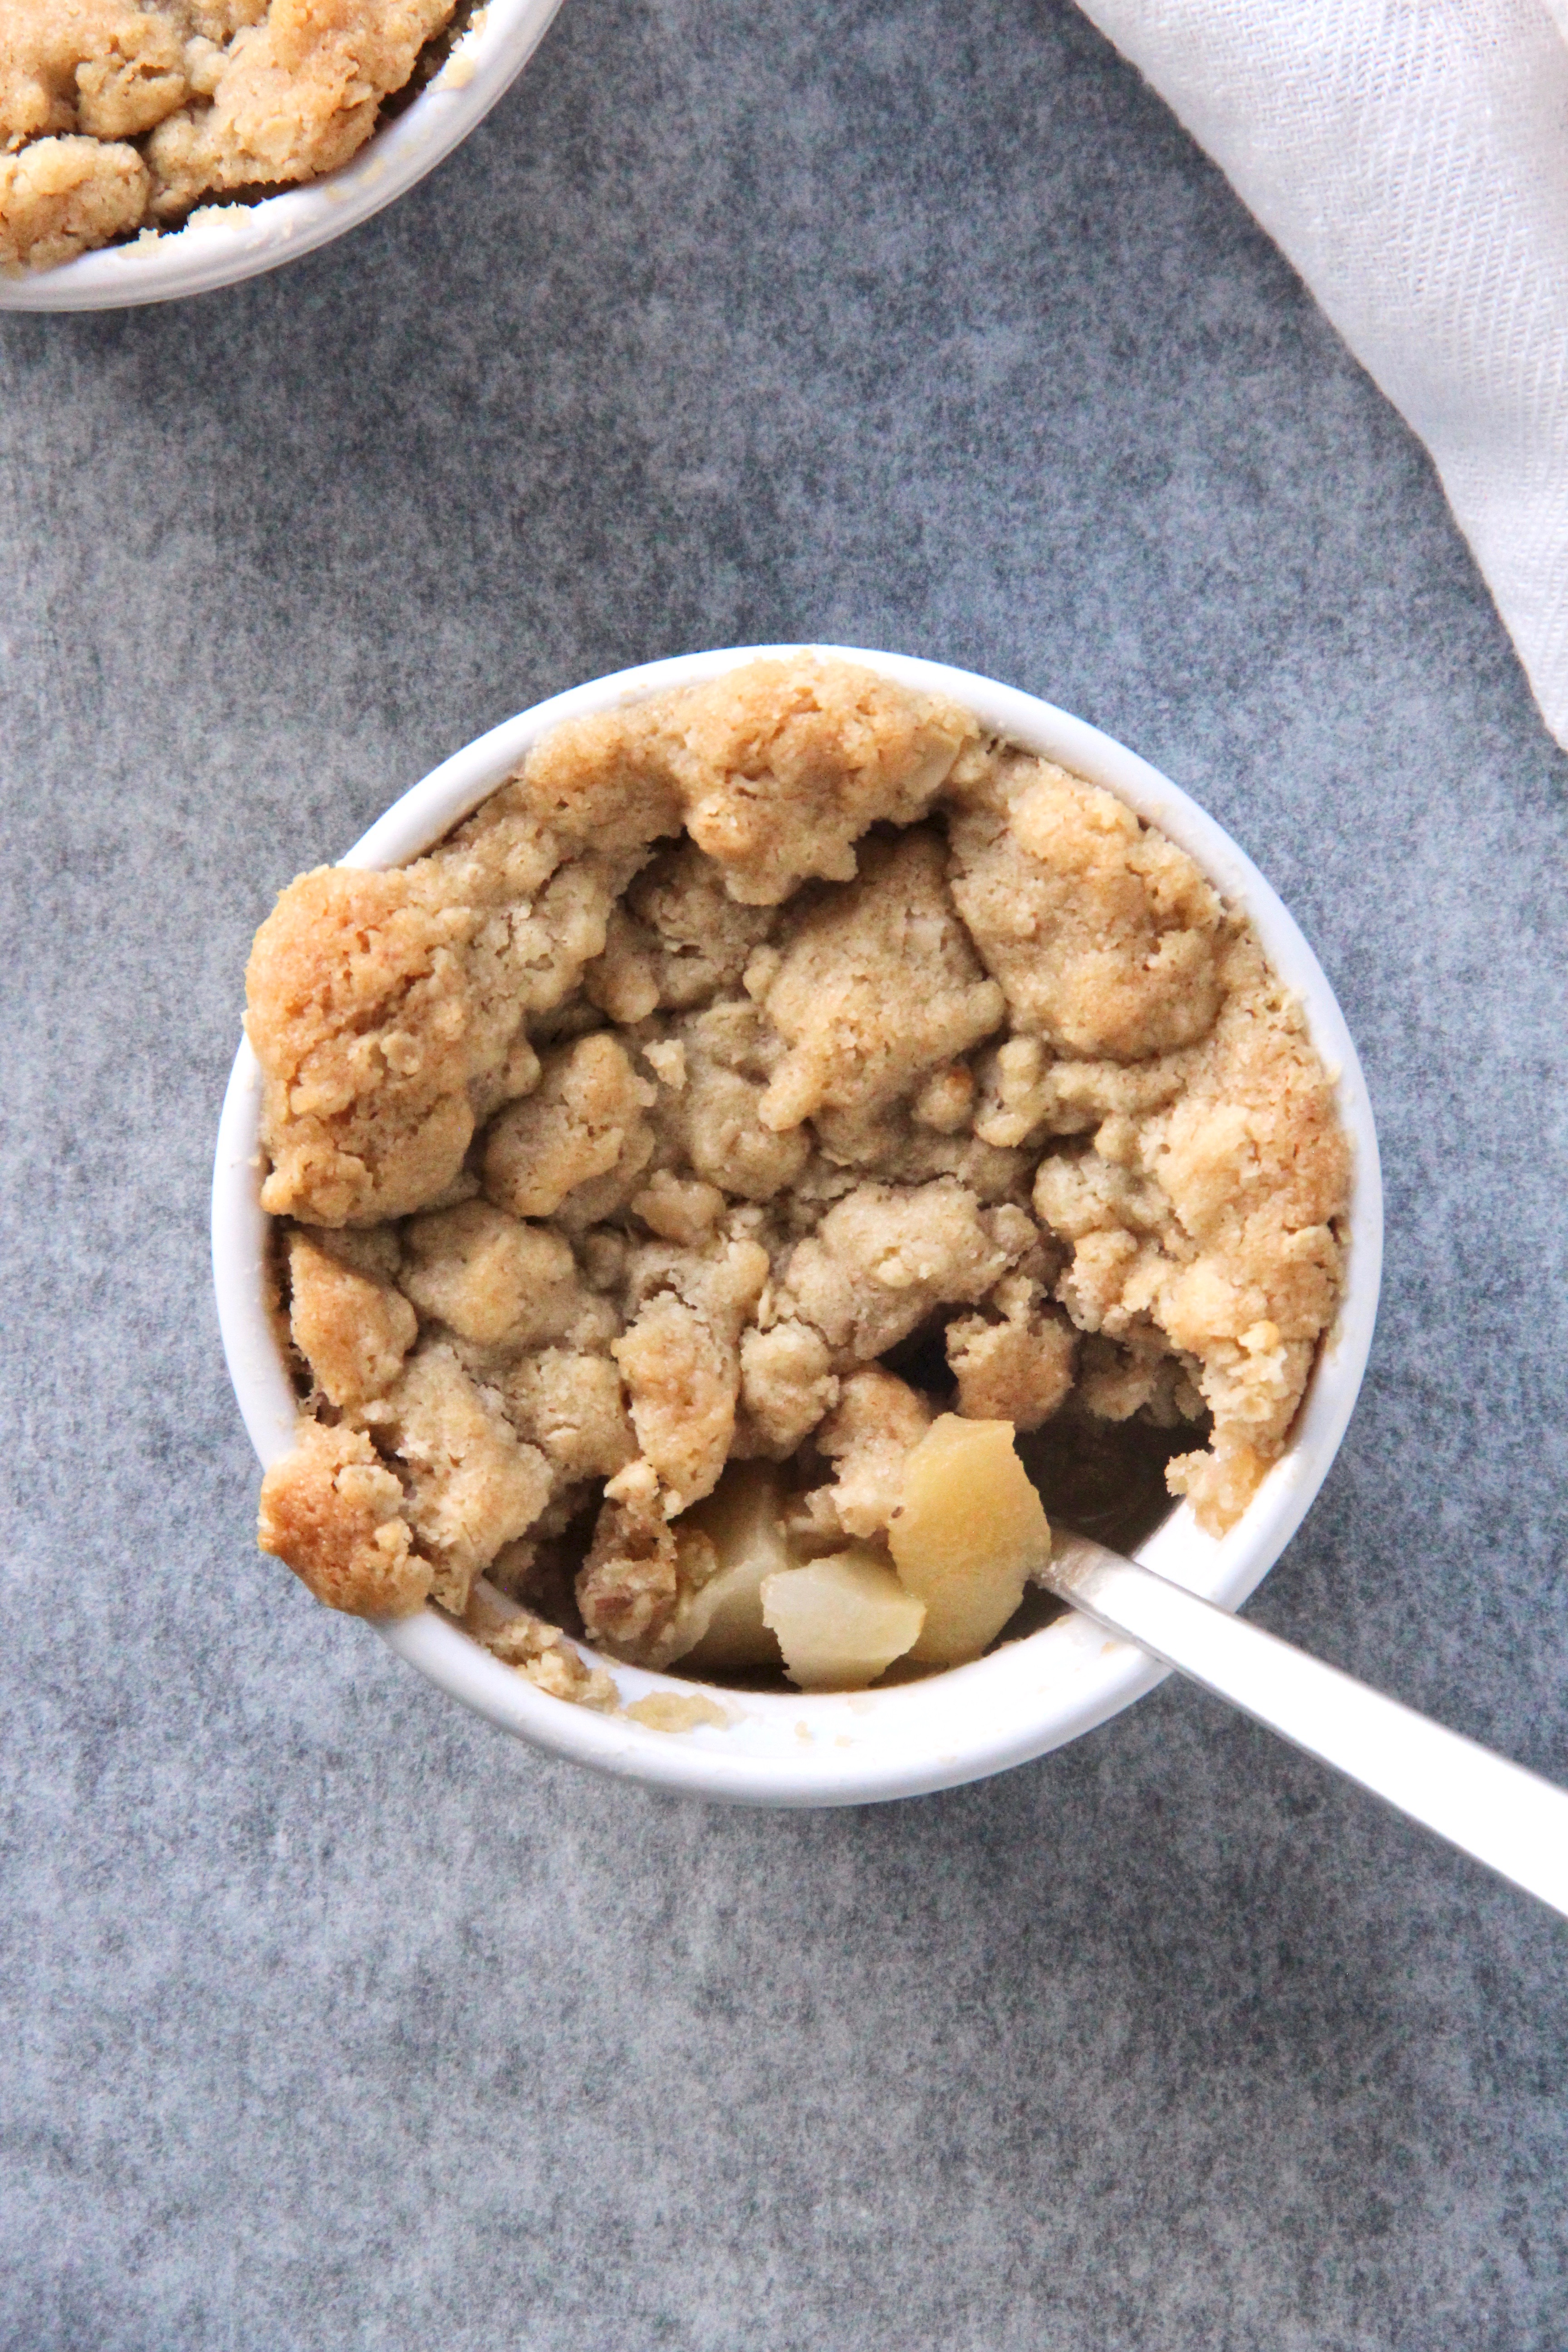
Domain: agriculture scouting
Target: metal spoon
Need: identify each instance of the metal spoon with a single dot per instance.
(1506, 1817)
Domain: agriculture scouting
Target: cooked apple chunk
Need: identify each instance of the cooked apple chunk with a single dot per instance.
(841, 1621)
(743, 1521)
(968, 1531)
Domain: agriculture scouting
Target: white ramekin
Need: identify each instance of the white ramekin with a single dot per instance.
(220, 246)
(1021, 1700)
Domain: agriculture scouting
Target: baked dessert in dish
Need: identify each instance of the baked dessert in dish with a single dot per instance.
(703, 1178)
(121, 115)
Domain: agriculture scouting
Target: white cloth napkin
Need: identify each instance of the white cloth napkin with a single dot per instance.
(1411, 159)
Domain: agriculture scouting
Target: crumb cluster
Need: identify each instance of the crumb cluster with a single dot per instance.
(639, 1152)
(118, 115)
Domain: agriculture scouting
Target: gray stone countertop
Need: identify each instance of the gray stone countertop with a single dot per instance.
(334, 2018)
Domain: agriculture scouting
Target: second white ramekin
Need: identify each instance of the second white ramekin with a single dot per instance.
(229, 242)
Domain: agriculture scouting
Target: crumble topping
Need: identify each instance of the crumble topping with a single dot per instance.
(703, 1164)
(114, 115)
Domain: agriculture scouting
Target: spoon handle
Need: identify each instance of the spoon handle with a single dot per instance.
(1503, 1815)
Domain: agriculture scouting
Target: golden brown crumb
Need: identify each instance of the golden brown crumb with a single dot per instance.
(1104, 934)
(359, 1014)
(491, 1278)
(628, 1588)
(473, 1486)
(1117, 1379)
(99, 67)
(682, 1377)
(678, 1208)
(867, 1436)
(946, 1101)
(1027, 1096)
(624, 982)
(296, 100)
(1212, 1223)
(61, 196)
(571, 1406)
(776, 770)
(1019, 1369)
(582, 1120)
(353, 1329)
(713, 1119)
(540, 1652)
(782, 767)
(881, 1259)
(854, 1045)
(333, 1512)
(698, 939)
(787, 1384)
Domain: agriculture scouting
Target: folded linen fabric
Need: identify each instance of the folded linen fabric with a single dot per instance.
(1410, 157)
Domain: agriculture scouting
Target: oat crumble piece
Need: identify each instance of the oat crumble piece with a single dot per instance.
(334, 1512)
(1018, 1367)
(582, 1120)
(849, 1049)
(540, 1651)
(472, 1484)
(885, 1256)
(876, 1424)
(352, 1325)
(1104, 934)
(59, 195)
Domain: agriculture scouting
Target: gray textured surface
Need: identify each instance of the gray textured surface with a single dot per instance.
(334, 2018)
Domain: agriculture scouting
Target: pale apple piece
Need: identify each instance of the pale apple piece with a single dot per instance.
(742, 1518)
(968, 1532)
(841, 1620)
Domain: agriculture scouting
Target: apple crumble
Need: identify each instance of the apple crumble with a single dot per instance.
(696, 1176)
(119, 115)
